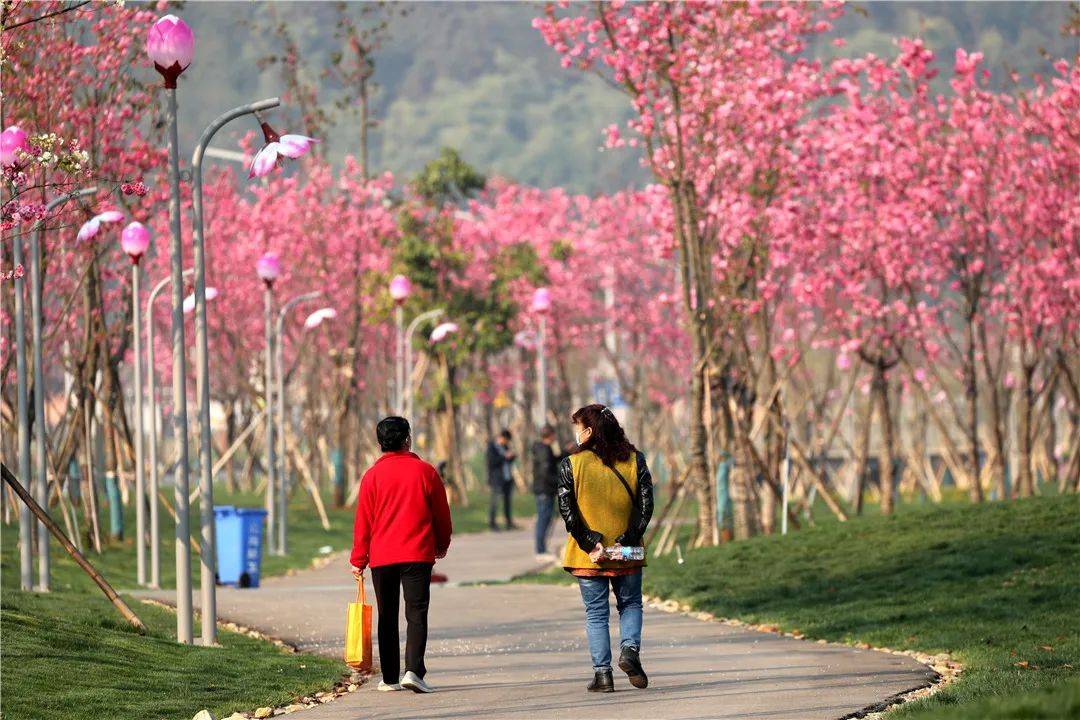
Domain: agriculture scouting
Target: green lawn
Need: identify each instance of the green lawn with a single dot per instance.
(70, 648)
(70, 655)
(996, 585)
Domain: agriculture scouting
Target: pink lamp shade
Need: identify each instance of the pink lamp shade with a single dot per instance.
(135, 239)
(440, 332)
(12, 140)
(316, 318)
(541, 300)
(189, 301)
(171, 46)
(268, 267)
(400, 288)
(91, 227)
(278, 147)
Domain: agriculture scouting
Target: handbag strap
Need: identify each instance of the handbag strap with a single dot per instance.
(633, 497)
(361, 591)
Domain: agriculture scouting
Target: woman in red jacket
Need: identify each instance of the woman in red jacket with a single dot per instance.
(402, 526)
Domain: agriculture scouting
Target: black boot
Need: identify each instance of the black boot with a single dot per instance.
(630, 663)
(602, 682)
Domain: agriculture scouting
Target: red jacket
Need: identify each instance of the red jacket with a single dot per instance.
(402, 515)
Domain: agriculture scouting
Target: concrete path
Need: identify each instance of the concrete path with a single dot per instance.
(518, 651)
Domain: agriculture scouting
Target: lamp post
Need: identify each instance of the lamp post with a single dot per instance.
(155, 538)
(400, 288)
(541, 305)
(422, 317)
(41, 488)
(26, 550)
(268, 268)
(207, 556)
(135, 239)
(14, 139)
(171, 46)
(282, 498)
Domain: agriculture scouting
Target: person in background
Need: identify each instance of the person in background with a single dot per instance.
(402, 525)
(544, 474)
(500, 462)
(606, 499)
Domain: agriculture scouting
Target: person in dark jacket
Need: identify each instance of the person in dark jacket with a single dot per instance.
(402, 525)
(545, 465)
(606, 499)
(500, 462)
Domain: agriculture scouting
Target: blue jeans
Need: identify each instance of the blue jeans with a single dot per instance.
(544, 507)
(594, 591)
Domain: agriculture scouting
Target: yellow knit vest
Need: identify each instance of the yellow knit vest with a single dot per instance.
(604, 505)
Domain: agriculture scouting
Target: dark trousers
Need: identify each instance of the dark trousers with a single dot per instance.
(390, 581)
(545, 505)
(504, 491)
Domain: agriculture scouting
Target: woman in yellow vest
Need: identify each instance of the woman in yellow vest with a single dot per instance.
(605, 498)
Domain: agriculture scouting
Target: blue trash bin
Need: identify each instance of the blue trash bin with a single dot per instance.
(239, 545)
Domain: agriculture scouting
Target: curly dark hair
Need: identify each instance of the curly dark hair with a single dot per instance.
(608, 440)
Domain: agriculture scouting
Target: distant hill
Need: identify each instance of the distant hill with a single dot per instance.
(477, 77)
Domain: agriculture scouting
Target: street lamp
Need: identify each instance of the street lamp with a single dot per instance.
(135, 239)
(155, 539)
(171, 46)
(26, 551)
(400, 288)
(41, 487)
(421, 318)
(541, 305)
(268, 268)
(282, 499)
(208, 555)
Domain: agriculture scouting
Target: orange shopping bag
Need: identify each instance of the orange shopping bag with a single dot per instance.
(358, 631)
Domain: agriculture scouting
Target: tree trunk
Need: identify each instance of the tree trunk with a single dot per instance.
(230, 438)
(743, 515)
(859, 482)
(1025, 481)
(887, 451)
(972, 389)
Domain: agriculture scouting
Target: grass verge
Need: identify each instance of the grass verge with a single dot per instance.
(70, 655)
(995, 585)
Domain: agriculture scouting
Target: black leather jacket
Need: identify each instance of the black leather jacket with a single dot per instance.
(586, 538)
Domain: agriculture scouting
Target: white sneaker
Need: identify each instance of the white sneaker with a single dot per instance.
(384, 687)
(413, 682)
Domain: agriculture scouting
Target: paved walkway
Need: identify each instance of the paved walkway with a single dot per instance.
(518, 651)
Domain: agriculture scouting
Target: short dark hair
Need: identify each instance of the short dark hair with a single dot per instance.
(547, 431)
(506, 434)
(392, 432)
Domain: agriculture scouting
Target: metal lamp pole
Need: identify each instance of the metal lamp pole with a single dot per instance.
(179, 385)
(135, 240)
(422, 317)
(155, 537)
(400, 289)
(42, 486)
(541, 305)
(399, 357)
(268, 381)
(541, 369)
(283, 479)
(26, 551)
(202, 364)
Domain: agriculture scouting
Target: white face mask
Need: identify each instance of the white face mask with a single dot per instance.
(578, 436)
